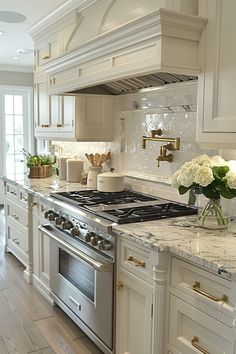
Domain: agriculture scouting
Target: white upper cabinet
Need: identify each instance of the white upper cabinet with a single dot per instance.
(46, 50)
(75, 118)
(217, 84)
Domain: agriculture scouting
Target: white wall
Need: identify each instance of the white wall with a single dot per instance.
(11, 78)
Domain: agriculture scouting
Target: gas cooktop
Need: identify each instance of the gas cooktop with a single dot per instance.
(124, 207)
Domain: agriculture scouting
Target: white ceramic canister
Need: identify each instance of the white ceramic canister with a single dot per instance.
(92, 176)
(62, 166)
(74, 169)
(110, 182)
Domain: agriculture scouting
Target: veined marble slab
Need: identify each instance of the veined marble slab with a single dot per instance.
(211, 249)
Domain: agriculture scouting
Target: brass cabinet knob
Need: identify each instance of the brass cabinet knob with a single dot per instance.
(119, 285)
(45, 57)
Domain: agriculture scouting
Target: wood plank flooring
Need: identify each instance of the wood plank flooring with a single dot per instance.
(28, 323)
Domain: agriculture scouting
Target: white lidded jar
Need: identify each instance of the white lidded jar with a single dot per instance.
(74, 170)
(110, 181)
(93, 172)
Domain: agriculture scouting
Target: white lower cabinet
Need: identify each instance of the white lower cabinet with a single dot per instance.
(41, 253)
(193, 331)
(18, 226)
(134, 315)
(140, 299)
(201, 311)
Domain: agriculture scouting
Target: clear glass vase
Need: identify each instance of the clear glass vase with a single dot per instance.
(214, 215)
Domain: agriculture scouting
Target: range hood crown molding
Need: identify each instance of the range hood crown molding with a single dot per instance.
(159, 23)
(149, 43)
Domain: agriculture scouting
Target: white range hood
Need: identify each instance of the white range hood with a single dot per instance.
(160, 41)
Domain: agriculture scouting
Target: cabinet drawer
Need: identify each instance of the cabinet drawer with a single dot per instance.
(204, 286)
(17, 240)
(23, 197)
(16, 214)
(193, 331)
(12, 191)
(136, 261)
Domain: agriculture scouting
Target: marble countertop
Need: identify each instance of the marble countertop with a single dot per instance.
(44, 186)
(214, 250)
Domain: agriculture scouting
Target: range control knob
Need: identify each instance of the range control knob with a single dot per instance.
(104, 245)
(94, 241)
(75, 231)
(59, 219)
(52, 216)
(87, 237)
(47, 213)
(66, 225)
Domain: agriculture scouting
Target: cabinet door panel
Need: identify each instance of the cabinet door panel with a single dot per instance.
(41, 103)
(134, 316)
(217, 83)
(190, 327)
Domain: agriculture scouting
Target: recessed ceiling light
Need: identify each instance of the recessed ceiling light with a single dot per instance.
(11, 17)
(1, 32)
(15, 58)
(25, 51)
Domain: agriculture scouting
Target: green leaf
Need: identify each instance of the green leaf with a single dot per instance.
(183, 189)
(220, 171)
(210, 192)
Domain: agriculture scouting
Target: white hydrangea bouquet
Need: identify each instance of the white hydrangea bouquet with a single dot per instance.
(213, 177)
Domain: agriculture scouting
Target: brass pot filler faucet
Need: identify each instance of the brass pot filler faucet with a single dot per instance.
(173, 144)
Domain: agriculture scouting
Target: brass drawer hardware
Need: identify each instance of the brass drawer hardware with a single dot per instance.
(197, 287)
(119, 285)
(59, 125)
(45, 57)
(195, 344)
(135, 262)
(45, 125)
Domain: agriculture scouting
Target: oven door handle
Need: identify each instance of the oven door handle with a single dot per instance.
(101, 267)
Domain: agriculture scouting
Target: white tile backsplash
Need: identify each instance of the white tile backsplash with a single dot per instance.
(171, 108)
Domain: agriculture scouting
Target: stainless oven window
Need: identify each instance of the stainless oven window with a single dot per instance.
(78, 273)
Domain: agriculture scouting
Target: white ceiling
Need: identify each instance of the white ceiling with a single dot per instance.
(15, 35)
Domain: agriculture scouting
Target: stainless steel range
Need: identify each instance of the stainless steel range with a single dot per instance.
(82, 251)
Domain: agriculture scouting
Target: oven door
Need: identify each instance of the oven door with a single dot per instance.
(83, 281)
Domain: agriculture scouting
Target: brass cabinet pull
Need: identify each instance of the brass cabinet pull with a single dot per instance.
(195, 344)
(197, 287)
(45, 125)
(135, 262)
(59, 125)
(119, 285)
(45, 57)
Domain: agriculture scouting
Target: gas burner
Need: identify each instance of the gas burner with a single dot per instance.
(124, 207)
(147, 212)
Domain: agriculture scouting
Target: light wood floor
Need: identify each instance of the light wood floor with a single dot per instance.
(28, 323)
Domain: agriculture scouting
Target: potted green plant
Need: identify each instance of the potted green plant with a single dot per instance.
(40, 165)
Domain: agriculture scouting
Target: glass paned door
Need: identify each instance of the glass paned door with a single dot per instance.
(16, 128)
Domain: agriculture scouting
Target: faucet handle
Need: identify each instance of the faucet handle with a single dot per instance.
(156, 132)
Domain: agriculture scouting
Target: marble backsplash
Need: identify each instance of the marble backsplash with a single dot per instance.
(171, 108)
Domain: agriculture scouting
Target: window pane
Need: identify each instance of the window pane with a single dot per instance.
(9, 126)
(10, 164)
(9, 144)
(18, 124)
(8, 104)
(18, 143)
(18, 104)
(19, 164)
